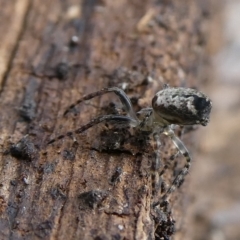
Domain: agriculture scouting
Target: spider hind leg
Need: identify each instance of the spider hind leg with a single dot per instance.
(179, 179)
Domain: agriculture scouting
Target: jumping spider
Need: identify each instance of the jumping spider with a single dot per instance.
(170, 106)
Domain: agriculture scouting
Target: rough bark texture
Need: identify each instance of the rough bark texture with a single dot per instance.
(71, 190)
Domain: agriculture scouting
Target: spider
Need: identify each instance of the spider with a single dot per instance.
(170, 106)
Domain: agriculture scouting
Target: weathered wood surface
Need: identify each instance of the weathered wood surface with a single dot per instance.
(68, 190)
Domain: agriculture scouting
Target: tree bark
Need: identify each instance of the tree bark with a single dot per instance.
(54, 52)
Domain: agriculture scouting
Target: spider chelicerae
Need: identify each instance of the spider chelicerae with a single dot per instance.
(170, 106)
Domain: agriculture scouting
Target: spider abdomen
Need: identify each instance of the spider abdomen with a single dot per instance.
(182, 106)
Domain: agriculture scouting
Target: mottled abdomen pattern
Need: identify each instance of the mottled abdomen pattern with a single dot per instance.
(182, 106)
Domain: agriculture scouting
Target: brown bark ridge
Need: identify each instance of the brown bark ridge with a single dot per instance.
(52, 53)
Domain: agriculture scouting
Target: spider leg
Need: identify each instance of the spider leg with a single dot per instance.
(121, 119)
(156, 163)
(119, 92)
(180, 177)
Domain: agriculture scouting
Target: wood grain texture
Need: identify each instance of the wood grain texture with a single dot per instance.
(68, 190)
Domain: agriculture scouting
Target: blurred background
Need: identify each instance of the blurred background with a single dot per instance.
(213, 205)
(214, 209)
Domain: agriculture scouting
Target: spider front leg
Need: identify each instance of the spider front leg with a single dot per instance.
(120, 119)
(131, 119)
(180, 177)
(119, 92)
